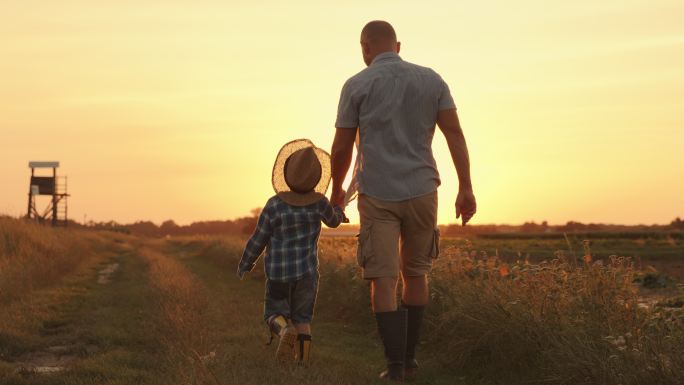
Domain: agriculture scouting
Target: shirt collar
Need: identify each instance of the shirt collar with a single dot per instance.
(385, 57)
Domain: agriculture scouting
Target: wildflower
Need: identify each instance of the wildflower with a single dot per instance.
(503, 270)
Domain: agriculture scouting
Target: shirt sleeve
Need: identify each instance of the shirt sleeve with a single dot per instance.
(446, 102)
(331, 216)
(347, 109)
(257, 242)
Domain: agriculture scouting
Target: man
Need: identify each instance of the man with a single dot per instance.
(394, 105)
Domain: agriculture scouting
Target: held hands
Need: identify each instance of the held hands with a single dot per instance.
(465, 205)
(344, 218)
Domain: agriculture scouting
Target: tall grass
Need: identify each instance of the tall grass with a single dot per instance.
(557, 322)
(182, 300)
(561, 321)
(34, 256)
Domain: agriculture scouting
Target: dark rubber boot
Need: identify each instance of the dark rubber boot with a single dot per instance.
(392, 328)
(414, 322)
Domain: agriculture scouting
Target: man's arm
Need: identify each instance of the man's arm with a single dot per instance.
(341, 156)
(447, 120)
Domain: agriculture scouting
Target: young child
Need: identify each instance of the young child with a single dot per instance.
(288, 228)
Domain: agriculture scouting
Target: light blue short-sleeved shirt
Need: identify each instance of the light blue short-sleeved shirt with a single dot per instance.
(394, 104)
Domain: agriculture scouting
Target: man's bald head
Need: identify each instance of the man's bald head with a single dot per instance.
(377, 37)
(378, 31)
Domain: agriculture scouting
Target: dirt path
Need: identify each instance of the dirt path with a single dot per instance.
(157, 313)
(101, 335)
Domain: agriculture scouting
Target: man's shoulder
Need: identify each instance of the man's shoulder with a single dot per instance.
(421, 69)
(359, 77)
(390, 69)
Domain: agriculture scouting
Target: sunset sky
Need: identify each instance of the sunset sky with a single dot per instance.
(176, 110)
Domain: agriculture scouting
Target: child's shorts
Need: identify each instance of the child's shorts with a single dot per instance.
(294, 300)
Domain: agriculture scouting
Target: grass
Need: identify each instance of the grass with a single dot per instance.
(239, 334)
(558, 322)
(33, 256)
(101, 330)
(182, 301)
(174, 312)
(664, 252)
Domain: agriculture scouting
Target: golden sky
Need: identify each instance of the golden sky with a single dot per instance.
(158, 110)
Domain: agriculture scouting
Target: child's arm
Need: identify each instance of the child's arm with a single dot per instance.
(256, 244)
(332, 216)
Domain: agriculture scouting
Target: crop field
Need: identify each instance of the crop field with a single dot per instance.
(664, 252)
(86, 307)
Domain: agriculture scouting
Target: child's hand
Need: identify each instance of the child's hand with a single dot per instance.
(240, 273)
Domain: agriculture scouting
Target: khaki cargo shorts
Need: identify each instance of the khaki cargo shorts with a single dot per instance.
(397, 236)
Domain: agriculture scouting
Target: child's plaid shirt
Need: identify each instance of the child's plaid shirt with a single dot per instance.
(291, 235)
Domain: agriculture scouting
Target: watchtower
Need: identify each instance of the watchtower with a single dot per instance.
(48, 185)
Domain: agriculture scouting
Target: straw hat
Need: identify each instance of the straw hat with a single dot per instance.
(301, 173)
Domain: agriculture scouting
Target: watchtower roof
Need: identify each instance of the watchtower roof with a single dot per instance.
(40, 164)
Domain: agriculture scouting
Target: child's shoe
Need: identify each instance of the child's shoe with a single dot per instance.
(303, 349)
(287, 334)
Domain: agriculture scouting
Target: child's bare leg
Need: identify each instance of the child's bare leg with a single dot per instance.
(303, 328)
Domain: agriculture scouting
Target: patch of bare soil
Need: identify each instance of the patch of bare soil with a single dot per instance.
(58, 358)
(104, 275)
(51, 360)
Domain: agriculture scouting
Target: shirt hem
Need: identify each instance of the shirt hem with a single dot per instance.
(399, 199)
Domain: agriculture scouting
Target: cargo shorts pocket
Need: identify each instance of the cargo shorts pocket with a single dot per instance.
(364, 249)
(434, 253)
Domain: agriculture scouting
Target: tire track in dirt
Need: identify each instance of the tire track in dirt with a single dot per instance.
(102, 334)
(57, 358)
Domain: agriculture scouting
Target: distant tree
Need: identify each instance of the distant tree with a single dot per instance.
(255, 212)
(145, 228)
(530, 227)
(168, 227)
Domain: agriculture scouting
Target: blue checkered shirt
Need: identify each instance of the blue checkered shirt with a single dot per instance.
(290, 235)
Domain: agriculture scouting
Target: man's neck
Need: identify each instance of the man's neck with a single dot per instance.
(383, 55)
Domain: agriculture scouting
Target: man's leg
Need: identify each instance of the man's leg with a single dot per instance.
(415, 290)
(384, 294)
(378, 254)
(413, 299)
(419, 245)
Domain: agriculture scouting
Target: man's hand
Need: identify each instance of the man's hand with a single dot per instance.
(337, 197)
(465, 205)
(448, 122)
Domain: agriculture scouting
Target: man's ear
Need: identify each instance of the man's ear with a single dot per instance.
(398, 46)
(365, 48)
